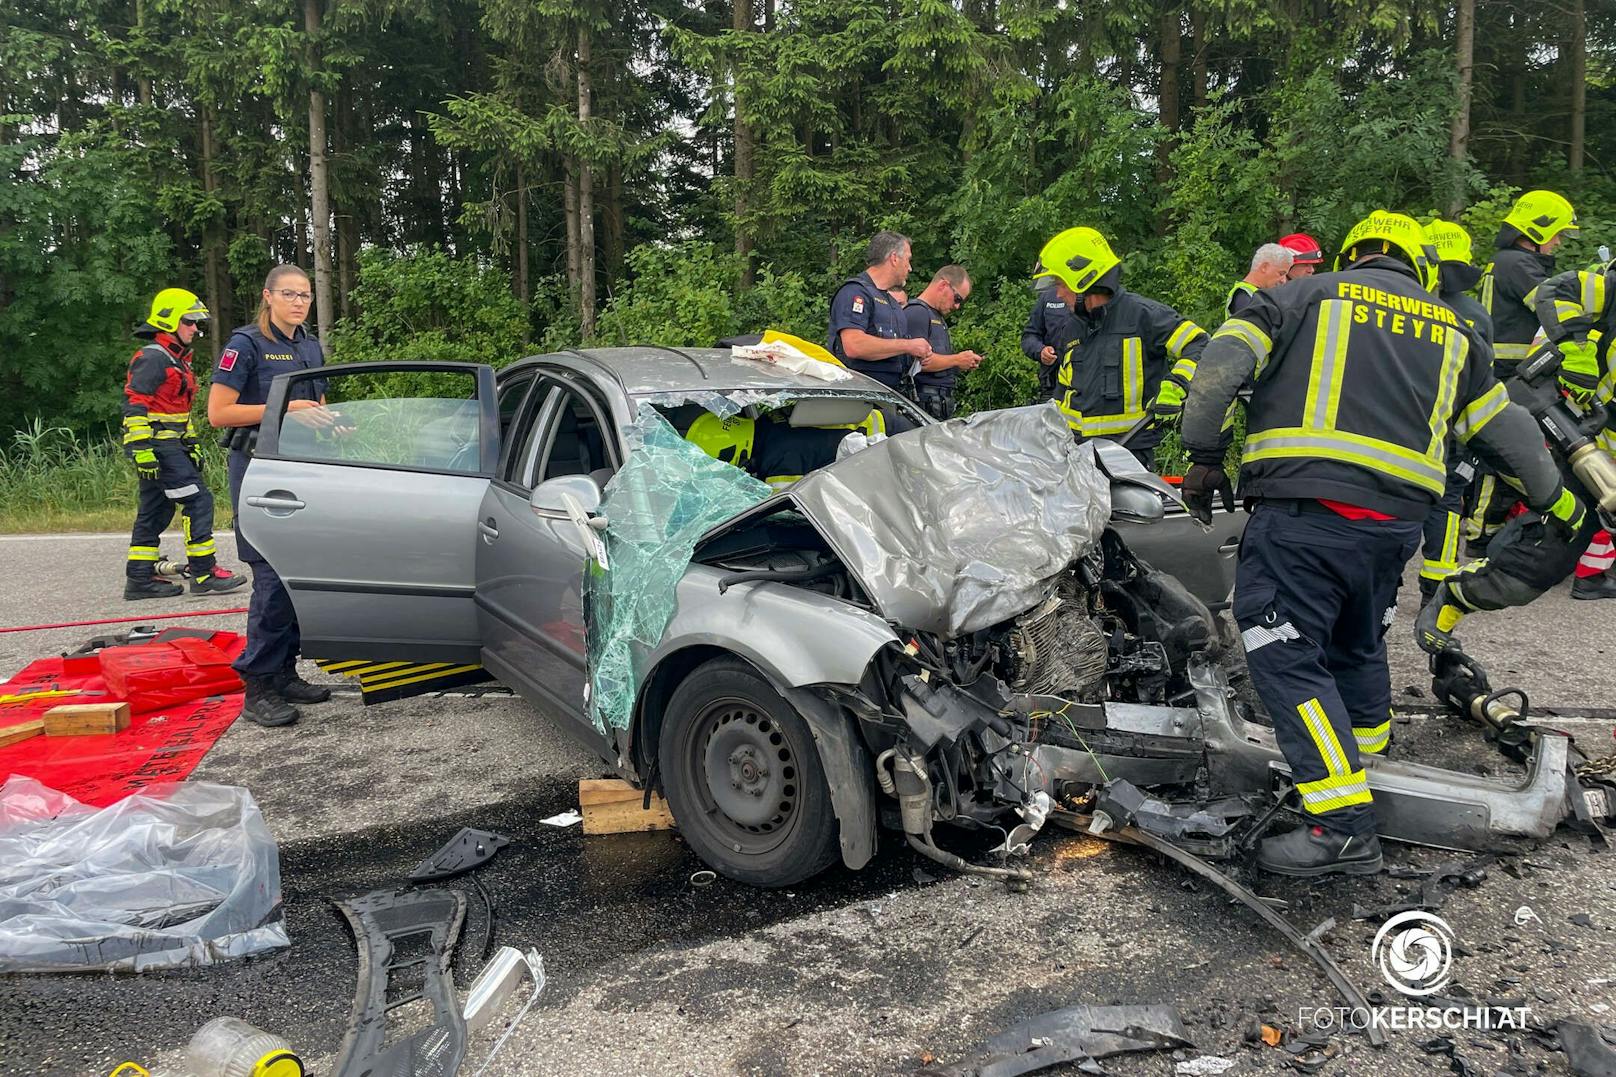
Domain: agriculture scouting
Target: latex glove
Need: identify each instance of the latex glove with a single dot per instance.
(145, 464)
(1201, 482)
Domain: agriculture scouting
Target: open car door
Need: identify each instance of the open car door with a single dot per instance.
(371, 519)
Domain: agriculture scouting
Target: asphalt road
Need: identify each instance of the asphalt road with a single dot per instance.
(879, 971)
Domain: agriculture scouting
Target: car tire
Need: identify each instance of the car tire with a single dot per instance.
(743, 778)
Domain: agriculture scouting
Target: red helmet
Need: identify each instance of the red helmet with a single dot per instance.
(1306, 248)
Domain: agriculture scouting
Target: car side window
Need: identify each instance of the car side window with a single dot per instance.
(525, 434)
(578, 440)
(427, 420)
(512, 392)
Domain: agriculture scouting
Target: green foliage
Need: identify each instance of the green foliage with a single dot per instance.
(683, 296)
(430, 305)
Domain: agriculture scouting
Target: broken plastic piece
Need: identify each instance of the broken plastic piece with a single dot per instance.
(1077, 1032)
(466, 850)
(495, 985)
(1205, 1066)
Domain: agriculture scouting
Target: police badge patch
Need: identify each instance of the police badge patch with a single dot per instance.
(227, 361)
(858, 304)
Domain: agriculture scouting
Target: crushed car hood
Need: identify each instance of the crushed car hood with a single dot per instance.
(960, 525)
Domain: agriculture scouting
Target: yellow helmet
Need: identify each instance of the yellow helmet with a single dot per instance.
(1397, 234)
(729, 440)
(172, 305)
(1542, 215)
(1451, 241)
(1079, 258)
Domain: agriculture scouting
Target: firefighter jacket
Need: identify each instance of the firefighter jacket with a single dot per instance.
(1118, 356)
(1358, 379)
(1471, 312)
(157, 395)
(1578, 312)
(1509, 291)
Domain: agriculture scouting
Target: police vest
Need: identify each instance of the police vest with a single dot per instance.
(1507, 292)
(1359, 405)
(941, 344)
(886, 321)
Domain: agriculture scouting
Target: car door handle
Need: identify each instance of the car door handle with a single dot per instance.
(1232, 546)
(489, 531)
(278, 501)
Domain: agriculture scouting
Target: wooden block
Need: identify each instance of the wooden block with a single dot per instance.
(85, 719)
(612, 806)
(11, 734)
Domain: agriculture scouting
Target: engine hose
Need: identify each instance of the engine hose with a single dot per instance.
(949, 860)
(883, 771)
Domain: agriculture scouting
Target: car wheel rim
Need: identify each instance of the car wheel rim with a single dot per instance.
(751, 774)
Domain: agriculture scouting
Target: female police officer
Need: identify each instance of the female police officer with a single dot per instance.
(275, 344)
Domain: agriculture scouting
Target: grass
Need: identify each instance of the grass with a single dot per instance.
(53, 480)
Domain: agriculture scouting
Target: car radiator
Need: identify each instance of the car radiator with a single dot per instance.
(1057, 649)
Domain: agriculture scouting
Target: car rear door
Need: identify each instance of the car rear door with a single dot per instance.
(372, 522)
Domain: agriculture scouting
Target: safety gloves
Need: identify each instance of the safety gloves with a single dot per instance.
(1200, 483)
(145, 464)
(1565, 514)
(1169, 400)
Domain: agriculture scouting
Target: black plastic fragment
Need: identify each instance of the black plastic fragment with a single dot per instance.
(1070, 1035)
(466, 850)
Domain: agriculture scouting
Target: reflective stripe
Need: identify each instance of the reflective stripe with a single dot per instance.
(143, 553)
(1593, 292)
(201, 549)
(1481, 411)
(1099, 426)
(1514, 352)
(1186, 332)
(133, 436)
(1183, 370)
(1529, 300)
(1258, 636)
(1329, 365)
(181, 492)
(1248, 334)
(1454, 349)
(1335, 792)
(1319, 728)
(1565, 310)
(1487, 288)
(136, 420)
(1133, 375)
(1366, 452)
(169, 435)
(169, 416)
(1373, 738)
(1446, 562)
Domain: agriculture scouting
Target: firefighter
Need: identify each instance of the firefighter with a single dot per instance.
(1529, 555)
(1270, 267)
(157, 435)
(1126, 357)
(923, 317)
(1532, 231)
(866, 323)
(1308, 256)
(1457, 276)
(1043, 340)
(1358, 375)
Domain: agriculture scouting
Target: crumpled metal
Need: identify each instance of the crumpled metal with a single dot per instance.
(957, 526)
(661, 501)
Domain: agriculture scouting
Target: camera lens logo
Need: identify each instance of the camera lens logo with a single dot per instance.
(1414, 951)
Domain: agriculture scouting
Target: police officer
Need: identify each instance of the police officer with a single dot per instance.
(1529, 555)
(1307, 255)
(1357, 376)
(1043, 339)
(866, 323)
(157, 435)
(1457, 274)
(1534, 228)
(1270, 267)
(254, 355)
(1126, 356)
(923, 317)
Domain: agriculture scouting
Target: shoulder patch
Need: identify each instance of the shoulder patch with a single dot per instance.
(858, 304)
(227, 361)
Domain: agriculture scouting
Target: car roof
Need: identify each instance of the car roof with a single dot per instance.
(647, 369)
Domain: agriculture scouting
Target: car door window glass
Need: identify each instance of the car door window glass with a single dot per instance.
(397, 419)
(520, 434)
(577, 441)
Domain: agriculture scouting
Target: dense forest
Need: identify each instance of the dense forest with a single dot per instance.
(480, 179)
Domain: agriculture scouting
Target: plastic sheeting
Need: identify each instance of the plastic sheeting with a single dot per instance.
(185, 875)
(667, 495)
(960, 525)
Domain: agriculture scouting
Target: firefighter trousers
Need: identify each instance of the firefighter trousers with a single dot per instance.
(1314, 595)
(179, 485)
(1443, 524)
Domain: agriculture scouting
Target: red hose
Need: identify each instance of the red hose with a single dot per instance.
(125, 620)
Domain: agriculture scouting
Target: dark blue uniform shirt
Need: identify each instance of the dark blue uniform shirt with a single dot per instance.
(859, 304)
(250, 361)
(920, 320)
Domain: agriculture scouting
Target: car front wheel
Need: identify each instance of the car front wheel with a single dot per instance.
(743, 778)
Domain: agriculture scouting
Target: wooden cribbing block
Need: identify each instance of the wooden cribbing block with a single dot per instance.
(11, 734)
(612, 806)
(85, 719)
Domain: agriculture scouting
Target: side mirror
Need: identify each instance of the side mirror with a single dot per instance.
(549, 498)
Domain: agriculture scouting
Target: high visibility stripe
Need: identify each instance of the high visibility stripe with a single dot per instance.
(1366, 452)
(1454, 349)
(1450, 541)
(1481, 411)
(1373, 738)
(436, 673)
(201, 549)
(143, 553)
(181, 492)
(1593, 292)
(1529, 300)
(136, 420)
(1324, 739)
(1487, 288)
(1247, 334)
(169, 435)
(1332, 794)
(1476, 522)
(134, 436)
(1512, 352)
(169, 416)
(1186, 332)
(1566, 310)
(1329, 366)
(1133, 375)
(1099, 426)
(1184, 370)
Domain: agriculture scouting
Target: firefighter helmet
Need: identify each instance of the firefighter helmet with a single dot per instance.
(1079, 258)
(1396, 235)
(1305, 247)
(1451, 241)
(1542, 215)
(172, 306)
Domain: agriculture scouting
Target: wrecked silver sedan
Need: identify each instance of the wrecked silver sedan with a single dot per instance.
(950, 625)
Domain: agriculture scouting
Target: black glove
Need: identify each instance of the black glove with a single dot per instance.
(1201, 481)
(193, 449)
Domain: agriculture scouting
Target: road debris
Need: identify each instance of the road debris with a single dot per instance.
(1586, 1050)
(1205, 1066)
(471, 848)
(566, 818)
(1524, 915)
(1075, 1034)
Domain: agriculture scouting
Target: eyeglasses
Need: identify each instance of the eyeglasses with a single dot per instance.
(295, 297)
(959, 300)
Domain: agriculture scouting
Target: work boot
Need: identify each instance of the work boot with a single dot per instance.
(1316, 850)
(217, 582)
(264, 705)
(1433, 628)
(294, 689)
(1588, 588)
(153, 588)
